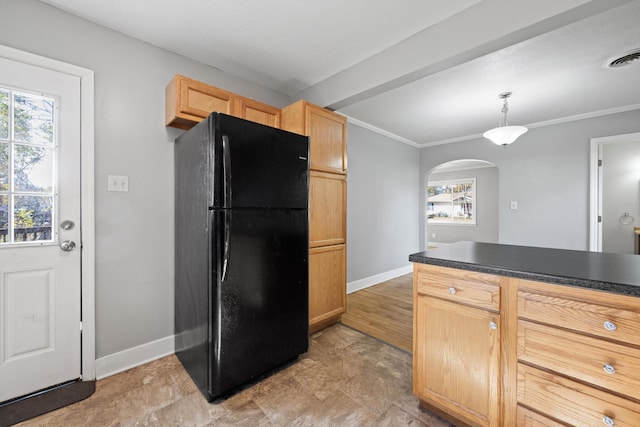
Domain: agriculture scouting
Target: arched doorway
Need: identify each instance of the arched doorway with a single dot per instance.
(461, 202)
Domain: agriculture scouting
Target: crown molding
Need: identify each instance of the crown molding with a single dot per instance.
(544, 123)
(382, 132)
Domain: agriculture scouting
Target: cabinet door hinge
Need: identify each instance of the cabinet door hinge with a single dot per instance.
(599, 218)
(599, 162)
(80, 326)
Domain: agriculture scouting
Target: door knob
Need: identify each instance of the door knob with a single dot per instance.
(68, 245)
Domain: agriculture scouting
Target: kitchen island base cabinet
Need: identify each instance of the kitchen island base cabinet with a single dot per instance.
(456, 355)
(568, 351)
(576, 351)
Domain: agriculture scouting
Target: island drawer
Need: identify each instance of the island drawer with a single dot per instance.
(462, 286)
(608, 365)
(611, 321)
(572, 402)
(528, 418)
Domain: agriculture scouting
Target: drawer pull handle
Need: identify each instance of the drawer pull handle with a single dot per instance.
(608, 421)
(610, 326)
(493, 325)
(609, 369)
(452, 290)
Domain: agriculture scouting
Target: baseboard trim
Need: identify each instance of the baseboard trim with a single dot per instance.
(145, 353)
(135, 356)
(357, 285)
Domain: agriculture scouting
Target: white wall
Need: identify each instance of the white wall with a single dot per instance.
(382, 203)
(546, 171)
(134, 230)
(486, 227)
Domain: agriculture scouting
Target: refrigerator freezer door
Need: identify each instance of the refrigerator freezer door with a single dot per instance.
(261, 166)
(260, 299)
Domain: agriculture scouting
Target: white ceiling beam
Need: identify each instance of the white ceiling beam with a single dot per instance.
(472, 33)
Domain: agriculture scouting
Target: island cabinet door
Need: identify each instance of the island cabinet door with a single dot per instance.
(457, 360)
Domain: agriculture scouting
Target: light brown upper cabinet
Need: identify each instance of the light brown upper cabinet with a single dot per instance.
(328, 132)
(189, 101)
(257, 112)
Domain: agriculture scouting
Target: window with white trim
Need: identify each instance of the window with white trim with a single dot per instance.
(27, 154)
(451, 202)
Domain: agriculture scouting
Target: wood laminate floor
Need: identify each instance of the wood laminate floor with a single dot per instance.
(384, 311)
(346, 379)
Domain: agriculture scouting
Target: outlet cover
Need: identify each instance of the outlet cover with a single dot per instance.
(117, 183)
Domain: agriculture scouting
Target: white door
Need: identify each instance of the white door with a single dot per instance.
(39, 226)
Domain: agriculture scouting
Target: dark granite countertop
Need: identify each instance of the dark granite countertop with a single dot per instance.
(616, 273)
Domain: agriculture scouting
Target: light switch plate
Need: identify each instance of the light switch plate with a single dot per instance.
(117, 183)
(513, 205)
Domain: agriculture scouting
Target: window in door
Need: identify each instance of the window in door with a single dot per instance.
(451, 202)
(27, 156)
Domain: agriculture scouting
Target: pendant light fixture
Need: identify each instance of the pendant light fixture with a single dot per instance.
(504, 134)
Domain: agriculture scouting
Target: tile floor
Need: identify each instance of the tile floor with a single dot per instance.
(346, 379)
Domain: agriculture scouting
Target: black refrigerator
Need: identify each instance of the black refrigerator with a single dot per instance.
(241, 242)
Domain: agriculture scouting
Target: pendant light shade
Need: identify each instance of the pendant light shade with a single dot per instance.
(504, 134)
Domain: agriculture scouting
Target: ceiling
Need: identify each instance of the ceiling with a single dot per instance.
(425, 72)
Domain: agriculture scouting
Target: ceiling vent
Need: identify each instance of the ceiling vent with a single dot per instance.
(625, 59)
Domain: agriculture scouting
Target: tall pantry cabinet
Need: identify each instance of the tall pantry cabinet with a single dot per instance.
(327, 208)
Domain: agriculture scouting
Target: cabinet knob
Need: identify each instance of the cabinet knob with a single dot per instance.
(610, 326)
(452, 290)
(608, 421)
(609, 369)
(493, 325)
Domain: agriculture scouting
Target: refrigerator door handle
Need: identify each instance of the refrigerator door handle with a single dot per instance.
(225, 248)
(226, 170)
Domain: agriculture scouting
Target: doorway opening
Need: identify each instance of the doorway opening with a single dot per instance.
(614, 219)
(461, 202)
